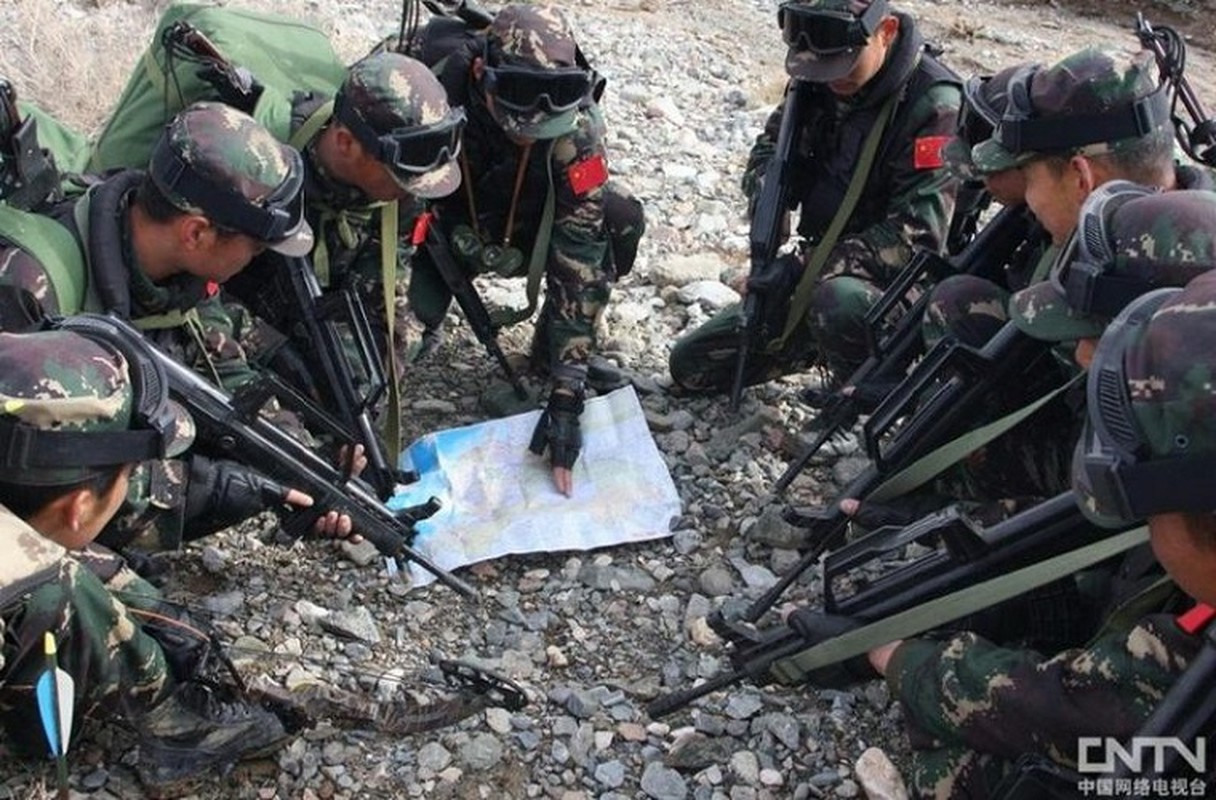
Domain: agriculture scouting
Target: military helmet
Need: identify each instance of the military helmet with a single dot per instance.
(1093, 101)
(219, 162)
(825, 37)
(1129, 240)
(534, 74)
(985, 98)
(399, 112)
(73, 406)
(1150, 442)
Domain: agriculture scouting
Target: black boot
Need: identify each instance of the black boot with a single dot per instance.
(201, 731)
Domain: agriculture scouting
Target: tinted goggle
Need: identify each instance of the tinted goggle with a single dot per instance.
(804, 28)
(416, 149)
(1125, 482)
(976, 121)
(1020, 131)
(272, 219)
(153, 426)
(525, 90)
(1084, 275)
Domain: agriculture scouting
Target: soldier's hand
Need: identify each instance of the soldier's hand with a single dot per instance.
(558, 431)
(880, 657)
(221, 493)
(330, 525)
(360, 463)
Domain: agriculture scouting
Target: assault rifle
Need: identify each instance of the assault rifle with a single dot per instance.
(895, 333)
(327, 328)
(766, 235)
(940, 399)
(28, 176)
(1197, 137)
(969, 556)
(234, 427)
(465, 293)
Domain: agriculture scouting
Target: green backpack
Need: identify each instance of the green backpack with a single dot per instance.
(284, 55)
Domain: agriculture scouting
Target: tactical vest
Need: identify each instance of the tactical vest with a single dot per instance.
(830, 149)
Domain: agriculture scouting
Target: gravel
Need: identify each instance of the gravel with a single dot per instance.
(592, 636)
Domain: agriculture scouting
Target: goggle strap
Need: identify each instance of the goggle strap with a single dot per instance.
(222, 206)
(1101, 293)
(1182, 484)
(25, 447)
(1078, 130)
(346, 113)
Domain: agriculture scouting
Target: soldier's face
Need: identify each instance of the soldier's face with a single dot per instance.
(869, 60)
(1055, 194)
(1185, 544)
(229, 254)
(93, 511)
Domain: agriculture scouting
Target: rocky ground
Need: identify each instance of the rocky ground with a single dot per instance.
(592, 636)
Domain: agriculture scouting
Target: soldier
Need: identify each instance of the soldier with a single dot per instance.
(972, 706)
(866, 62)
(71, 403)
(537, 200)
(153, 247)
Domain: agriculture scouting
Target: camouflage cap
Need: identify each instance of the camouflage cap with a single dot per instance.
(1169, 369)
(60, 380)
(220, 163)
(393, 94)
(1078, 90)
(810, 64)
(985, 99)
(525, 35)
(1153, 240)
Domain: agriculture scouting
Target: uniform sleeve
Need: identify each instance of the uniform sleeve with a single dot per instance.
(920, 198)
(222, 346)
(152, 516)
(116, 667)
(761, 153)
(968, 691)
(578, 286)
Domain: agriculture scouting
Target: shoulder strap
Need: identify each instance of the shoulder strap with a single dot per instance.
(312, 126)
(55, 249)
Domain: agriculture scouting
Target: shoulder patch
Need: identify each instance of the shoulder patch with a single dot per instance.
(211, 289)
(927, 153)
(588, 174)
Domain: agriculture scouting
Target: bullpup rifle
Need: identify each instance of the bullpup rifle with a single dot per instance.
(234, 427)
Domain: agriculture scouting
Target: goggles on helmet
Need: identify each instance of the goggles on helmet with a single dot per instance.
(153, 423)
(272, 219)
(1021, 132)
(976, 119)
(1084, 275)
(414, 149)
(1123, 478)
(825, 32)
(526, 89)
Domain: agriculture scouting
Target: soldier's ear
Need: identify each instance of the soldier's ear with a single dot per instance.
(888, 29)
(65, 518)
(194, 232)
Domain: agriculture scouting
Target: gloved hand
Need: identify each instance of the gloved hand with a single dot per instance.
(221, 493)
(558, 427)
(236, 86)
(817, 627)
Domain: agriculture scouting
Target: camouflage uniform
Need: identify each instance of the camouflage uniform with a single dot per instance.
(972, 706)
(62, 381)
(907, 202)
(183, 314)
(596, 222)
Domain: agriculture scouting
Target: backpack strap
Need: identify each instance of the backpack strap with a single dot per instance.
(55, 249)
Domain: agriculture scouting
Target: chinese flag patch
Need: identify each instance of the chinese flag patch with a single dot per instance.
(587, 174)
(422, 224)
(928, 152)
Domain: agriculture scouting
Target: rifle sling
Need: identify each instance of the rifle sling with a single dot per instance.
(823, 248)
(929, 466)
(389, 224)
(935, 613)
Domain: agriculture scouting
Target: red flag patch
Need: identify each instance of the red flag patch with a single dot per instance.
(928, 152)
(212, 288)
(587, 174)
(422, 224)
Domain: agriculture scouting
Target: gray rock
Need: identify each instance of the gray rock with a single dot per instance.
(356, 623)
(678, 270)
(716, 582)
(433, 405)
(754, 575)
(433, 756)
(225, 604)
(686, 542)
(746, 767)
(482, 752)
(362, 554)
(214, 560)
(610, 774)
(662, 783)
(710, 294)
(743, 706)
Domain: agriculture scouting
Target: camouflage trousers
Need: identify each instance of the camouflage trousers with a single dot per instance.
(832, 335)
(955, 773)
(91, 605)
(576, 294)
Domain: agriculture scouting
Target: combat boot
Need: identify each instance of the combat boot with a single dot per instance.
(201, 731)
